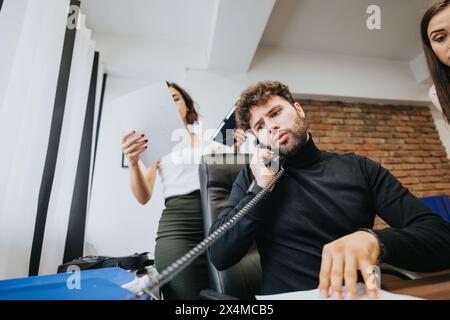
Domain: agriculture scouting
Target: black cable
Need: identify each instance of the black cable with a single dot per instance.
(171, 271)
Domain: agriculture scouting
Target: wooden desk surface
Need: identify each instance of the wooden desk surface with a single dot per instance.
(435, 287)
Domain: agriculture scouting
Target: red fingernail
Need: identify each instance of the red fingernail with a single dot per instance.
(142, 135)
(146, 140)
(134, 131)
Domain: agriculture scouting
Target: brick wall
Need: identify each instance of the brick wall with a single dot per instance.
(403, 139)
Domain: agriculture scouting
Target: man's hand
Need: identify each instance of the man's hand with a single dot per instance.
(262, 174)
(341, 260)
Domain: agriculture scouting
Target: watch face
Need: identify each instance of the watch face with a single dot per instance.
(251, 187)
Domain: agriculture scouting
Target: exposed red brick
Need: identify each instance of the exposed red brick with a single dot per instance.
(404, 139)
(419, 118)
(413, 160)
(331, 140)
(411, 180)
(320, 126)
(399, 117)
(384, 129)
(354, 122)
(423, 166)
(429, 179)
(399, 135)
(404, 129)
(438, 153)
(375, 141)
(431, 147)
(431, 160)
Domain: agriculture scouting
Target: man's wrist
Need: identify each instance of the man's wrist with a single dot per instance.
(382, 249)
(254, 187)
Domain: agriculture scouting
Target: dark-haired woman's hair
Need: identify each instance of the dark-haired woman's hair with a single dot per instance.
(440, 73)
(191, 114)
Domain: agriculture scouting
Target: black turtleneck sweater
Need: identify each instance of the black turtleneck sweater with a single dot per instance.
(320, 198)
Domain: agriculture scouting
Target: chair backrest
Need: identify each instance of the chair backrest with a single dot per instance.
(217, 174)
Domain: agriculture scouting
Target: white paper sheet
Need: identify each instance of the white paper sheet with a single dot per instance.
(314, 295)
(152, 111)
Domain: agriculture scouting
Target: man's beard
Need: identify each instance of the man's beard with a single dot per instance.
(298, 138)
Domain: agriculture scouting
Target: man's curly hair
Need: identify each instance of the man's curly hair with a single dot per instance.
(256, 95)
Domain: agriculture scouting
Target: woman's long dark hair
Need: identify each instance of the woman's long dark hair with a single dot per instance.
(191, 114)
(440, 73)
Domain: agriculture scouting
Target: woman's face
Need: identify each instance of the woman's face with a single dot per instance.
(181, 104)
(439, 35)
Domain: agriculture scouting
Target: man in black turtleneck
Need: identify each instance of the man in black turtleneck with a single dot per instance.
(314, 228)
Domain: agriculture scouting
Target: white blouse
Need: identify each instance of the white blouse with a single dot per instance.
(179, 170)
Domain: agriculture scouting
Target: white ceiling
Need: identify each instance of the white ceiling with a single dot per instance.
(340, 26)
(186, 22)
(333, 26)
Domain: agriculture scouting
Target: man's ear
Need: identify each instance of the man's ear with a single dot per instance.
(299, 109)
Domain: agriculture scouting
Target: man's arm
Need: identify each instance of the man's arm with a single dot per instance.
(234, 244)
(419, 239)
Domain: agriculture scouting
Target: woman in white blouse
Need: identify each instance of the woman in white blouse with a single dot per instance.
(435, 31)
(181, 225)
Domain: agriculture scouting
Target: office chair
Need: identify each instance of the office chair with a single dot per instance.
(243, 280)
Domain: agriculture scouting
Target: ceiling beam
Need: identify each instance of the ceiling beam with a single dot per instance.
(419, 68)
(238, 29)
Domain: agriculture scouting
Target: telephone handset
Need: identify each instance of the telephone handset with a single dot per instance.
(276, 160)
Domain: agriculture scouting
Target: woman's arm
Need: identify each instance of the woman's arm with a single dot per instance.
(142, 181)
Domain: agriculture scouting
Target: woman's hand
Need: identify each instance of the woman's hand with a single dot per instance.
(240, 137)
(133, 145)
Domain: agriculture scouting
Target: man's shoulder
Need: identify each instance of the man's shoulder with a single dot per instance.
(347, 156)
(350, 159)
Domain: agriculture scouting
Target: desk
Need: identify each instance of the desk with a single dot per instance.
(434, 287)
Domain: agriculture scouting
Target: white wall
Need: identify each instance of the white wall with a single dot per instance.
(68, 153)
(117, 224)
(33, 39)
(12, 17)
(32, 55)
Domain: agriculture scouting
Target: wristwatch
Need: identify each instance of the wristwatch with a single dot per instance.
(383, 251)
(254, 187)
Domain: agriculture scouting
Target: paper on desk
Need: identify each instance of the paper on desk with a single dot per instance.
(152, 111)
(314, 295)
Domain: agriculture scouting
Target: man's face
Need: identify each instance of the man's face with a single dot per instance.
(279, 125)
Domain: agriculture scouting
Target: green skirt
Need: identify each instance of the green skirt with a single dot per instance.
(181, 229)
